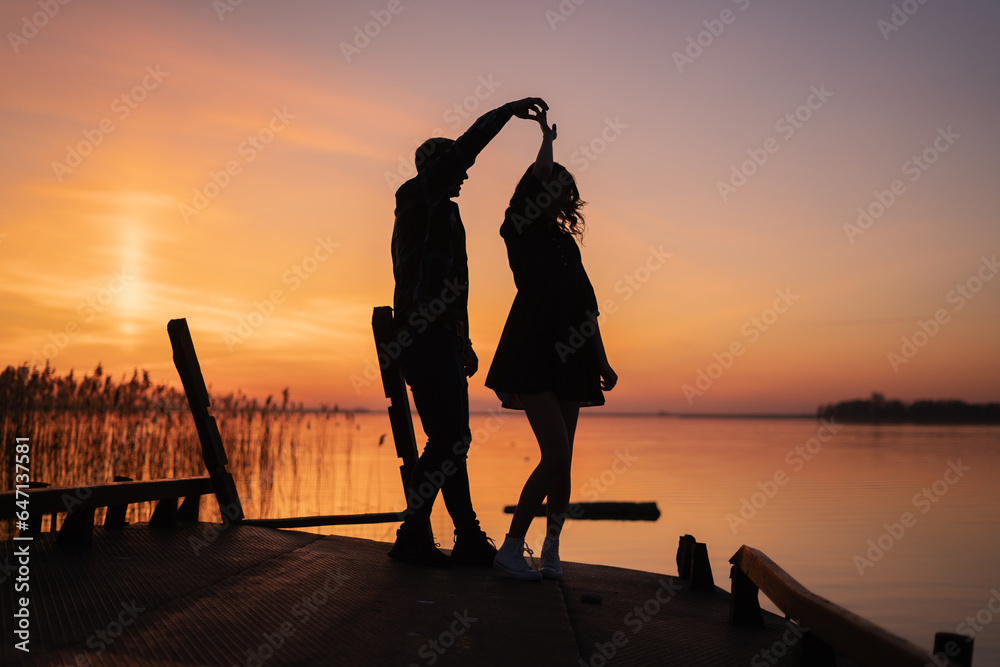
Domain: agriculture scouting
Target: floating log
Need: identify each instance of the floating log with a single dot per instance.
(605, 511)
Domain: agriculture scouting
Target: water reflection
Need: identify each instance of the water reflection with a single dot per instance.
(291, 463)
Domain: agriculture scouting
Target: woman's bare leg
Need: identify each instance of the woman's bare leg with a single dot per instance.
(557, 505)
(548, 422)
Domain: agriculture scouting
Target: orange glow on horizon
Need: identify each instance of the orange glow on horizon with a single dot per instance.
(165, 162)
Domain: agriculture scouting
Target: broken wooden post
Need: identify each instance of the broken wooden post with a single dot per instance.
(953, 648)
(693, 564)
(813, 652)
(77, 528)
(685, 547)
(188, 511)
(701, 569)
(165, 514)
(114, 516)
(744, 600)
(35, 518)
(387, 351)
(212, 450)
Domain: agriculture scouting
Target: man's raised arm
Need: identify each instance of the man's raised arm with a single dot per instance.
(451, 166)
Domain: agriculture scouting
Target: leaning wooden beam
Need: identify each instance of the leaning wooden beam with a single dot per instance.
(329, 520)
(212, 449)
(75, 498)
(847, 632)
(387, 350)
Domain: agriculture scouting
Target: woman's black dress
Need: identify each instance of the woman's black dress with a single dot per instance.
(548, 341)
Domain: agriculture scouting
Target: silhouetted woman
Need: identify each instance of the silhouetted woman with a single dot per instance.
(550, 360)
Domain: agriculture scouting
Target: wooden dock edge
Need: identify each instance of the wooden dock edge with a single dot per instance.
(825, 621)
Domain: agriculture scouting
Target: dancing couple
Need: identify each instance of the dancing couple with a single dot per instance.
(536, 367)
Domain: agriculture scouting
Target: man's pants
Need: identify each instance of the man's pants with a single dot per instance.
(433, 367)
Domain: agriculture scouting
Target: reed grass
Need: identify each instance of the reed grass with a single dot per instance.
(84, 431)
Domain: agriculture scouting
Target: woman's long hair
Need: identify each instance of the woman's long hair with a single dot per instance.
(563, 211)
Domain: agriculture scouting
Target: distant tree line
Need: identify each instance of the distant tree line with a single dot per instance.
(878, 410)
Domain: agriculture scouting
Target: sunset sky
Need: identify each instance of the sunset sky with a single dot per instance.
(234, 163)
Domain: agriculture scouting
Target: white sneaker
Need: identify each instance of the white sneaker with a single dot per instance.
(551, 567)
(510, 560)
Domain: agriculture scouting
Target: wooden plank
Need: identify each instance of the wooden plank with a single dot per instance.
(603, 511)
(63, 498)
(844, 630)
(328, 520)
(212, 449)
(394, 387)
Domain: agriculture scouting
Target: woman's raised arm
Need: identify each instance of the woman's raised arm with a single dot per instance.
(543, 162)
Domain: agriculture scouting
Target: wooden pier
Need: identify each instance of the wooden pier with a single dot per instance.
(177, 591)
(198, 594)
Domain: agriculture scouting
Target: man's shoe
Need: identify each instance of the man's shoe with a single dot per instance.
(473, 548)
(510, 560)
(418, 549)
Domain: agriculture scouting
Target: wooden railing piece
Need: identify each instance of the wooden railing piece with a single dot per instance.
(72, 498)
(844, 630)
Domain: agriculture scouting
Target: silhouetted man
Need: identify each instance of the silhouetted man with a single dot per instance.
(431, 316)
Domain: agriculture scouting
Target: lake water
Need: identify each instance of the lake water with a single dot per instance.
(900, 524)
